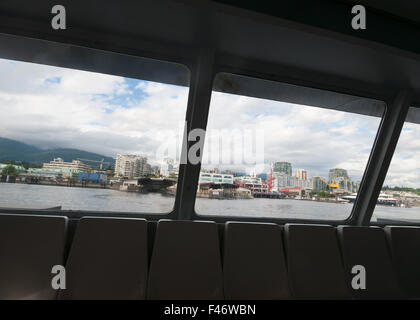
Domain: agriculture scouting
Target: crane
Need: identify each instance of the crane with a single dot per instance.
(331, 185)
(102, 162)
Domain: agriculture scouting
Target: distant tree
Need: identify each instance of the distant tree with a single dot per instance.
(151, 175)
(28, 165)
(10, 170)
(323, 194)
(8, 162)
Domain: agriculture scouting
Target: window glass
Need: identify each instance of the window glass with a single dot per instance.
(399, 199)
(79, 140)
(284, 151)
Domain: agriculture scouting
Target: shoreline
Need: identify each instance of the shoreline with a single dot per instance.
(80, 185)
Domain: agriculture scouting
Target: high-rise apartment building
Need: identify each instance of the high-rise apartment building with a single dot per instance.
(283, 180)
(318, 184)
(131, 166)
(285, 167)
(336, 173)
(302, 174)
(340, 176)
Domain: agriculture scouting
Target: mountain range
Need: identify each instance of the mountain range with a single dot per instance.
(21, 152)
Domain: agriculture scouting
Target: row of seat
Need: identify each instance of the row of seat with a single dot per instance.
(115, 258)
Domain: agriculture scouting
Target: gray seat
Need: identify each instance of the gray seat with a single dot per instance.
(254, 263)
(405, 252)
(29, 248)
(185, 261)
(367, 246)
(314, 262)
(108, 260)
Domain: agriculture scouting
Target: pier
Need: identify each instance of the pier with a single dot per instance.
(269, 195)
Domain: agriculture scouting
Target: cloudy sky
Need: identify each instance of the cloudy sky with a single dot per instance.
(405, 165)
(53, 107)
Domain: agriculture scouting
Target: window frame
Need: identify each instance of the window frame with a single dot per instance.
(55, 56)
(203, 64)
(285, 78)
(396, 222)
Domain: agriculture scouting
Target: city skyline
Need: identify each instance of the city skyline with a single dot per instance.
(57, 107)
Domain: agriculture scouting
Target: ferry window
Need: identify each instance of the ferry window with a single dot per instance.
(292, 152)
(82, 140)
(399, 199)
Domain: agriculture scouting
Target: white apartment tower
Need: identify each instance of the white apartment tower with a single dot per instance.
(131, 166)
(302, 174)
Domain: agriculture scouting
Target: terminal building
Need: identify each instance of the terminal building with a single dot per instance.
(59, 163)
(207, 177)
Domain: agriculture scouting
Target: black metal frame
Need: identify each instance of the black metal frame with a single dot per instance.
(380, 159)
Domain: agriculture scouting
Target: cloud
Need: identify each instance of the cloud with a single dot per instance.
(405, 165)
(56, 107)
(310, 138)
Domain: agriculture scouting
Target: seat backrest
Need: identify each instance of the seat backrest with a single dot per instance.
(185, 261)
(29, 248)
(108, 259)
(254, 266)
(314, 262)
(367, 247)
(405, 252)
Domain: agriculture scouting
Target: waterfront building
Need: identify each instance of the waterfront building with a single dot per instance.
(248, 179)
(251, 182)
(282, 166)
(302, 174)
(207, 177)
(283, 180)
(304, 184)
(56, 173)
(131, 166)
(92, 177)
(59, 163)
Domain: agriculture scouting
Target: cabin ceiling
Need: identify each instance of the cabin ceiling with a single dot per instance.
(308, 37)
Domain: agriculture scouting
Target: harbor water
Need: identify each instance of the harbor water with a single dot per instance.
(91, 199)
